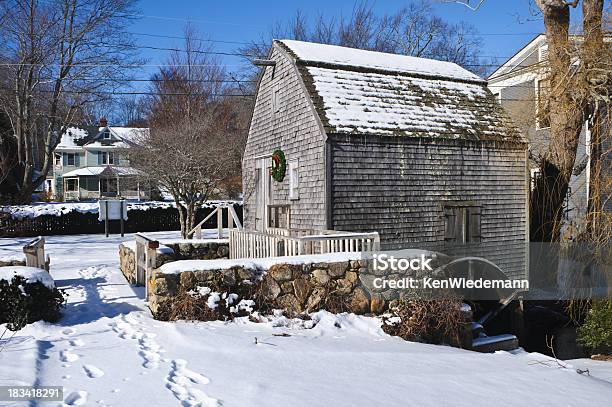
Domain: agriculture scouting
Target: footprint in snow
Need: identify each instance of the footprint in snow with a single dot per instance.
(76, 342)
(181, 381)
(92, 371)
(67, 356)
(76, 398)
(69, 331)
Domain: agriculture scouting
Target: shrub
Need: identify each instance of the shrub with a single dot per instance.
(22, 303)
(214, 301)
(596, 333)
(437, 320)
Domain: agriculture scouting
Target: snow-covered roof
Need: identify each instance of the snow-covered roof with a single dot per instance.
(97, 170)
(333, 54)
(365, 92)
(85, 171)
(70, 139)
(130, 134)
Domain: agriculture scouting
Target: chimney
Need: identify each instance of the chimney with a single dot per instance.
(103, 122)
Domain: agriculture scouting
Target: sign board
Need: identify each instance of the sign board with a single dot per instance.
(114, 209)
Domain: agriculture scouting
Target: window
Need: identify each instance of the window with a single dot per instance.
(276, 100)
(106, 158)
(462, 224)
(72, 184)
(535, 174)
(57, 159)
(70, 158)
(543, 53)
(294, 179)
(542, 108)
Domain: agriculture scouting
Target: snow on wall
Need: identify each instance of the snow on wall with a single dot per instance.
(181, 266)
(61, 208)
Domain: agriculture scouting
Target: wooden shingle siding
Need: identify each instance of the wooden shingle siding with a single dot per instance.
(295, 129)
(398, 187)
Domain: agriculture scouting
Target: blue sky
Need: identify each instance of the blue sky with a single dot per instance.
(505, 25)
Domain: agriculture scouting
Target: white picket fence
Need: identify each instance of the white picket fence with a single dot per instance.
(284, 242)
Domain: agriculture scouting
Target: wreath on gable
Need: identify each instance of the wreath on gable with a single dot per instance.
(279, 165)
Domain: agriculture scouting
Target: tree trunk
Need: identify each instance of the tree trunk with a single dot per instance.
(567, 105)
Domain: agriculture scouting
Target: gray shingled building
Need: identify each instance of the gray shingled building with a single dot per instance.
(415, 149)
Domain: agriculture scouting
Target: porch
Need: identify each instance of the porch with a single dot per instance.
(103, 182)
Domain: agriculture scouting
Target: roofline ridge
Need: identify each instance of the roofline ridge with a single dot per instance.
(356, 68)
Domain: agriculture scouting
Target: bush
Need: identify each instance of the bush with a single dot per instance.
(22, 303)
(213, 301)
(437, 320)
(596, 333)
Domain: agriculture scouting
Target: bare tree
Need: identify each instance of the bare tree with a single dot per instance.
(195, 139)
(59, 56)
(413, 30)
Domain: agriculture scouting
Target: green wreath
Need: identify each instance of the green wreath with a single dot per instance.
(279, 165)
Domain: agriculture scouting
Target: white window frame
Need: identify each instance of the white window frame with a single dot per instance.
(76, 184)
(294, 179)
(108, 158)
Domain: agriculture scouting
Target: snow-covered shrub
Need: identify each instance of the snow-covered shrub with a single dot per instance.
(23, 302)
(438, 320)
(596, 333)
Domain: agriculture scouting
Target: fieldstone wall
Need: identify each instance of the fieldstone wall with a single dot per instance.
(172, 252)
(13, 262)
(345, 286)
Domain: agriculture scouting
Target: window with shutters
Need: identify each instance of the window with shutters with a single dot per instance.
(462, 224)
(70, 158)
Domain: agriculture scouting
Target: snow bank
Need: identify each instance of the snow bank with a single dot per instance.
(31, 274)
(61, 208)
(11, 257)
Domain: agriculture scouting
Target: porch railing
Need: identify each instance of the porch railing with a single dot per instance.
(283, 242)
(232, 222)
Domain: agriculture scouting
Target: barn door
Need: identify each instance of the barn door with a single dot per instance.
(262, 180)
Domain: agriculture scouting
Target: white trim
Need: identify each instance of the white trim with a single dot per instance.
(294, 182)
(511, 64)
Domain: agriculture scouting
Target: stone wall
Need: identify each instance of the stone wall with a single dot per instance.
(12, 262)
(172, 251)
(342, 286)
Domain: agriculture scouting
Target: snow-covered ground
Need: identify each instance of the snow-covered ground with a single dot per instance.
(108, 351)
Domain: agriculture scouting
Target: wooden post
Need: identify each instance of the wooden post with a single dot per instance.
(106, 217)
(35, 253)
(219, 222)
(121, 209)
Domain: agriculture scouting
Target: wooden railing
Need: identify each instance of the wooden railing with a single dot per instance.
(283, 242)
(232, 221)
